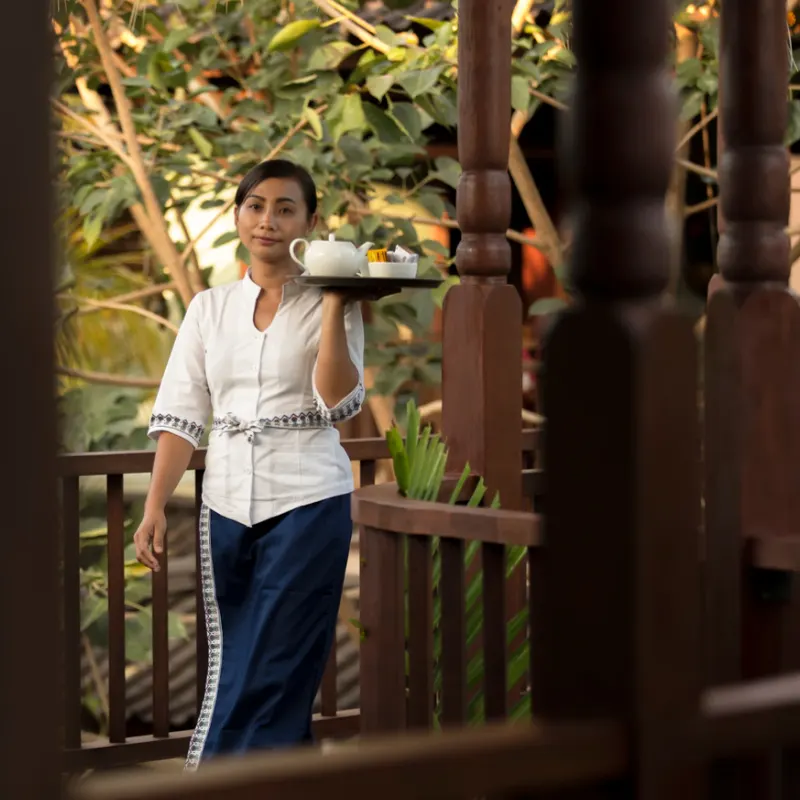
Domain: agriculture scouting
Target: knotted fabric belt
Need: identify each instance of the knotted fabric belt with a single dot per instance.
(232, 424)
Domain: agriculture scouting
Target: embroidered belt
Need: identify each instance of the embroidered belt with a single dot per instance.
(230, 423)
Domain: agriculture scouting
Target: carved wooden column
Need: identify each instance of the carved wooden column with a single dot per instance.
(482, 336)
(620, 573)
(752, 361)
(482, 373)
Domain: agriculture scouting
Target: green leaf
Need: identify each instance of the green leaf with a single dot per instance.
(230, 236)
(448, 170)
(419, 81)
(378, 85)
(520, 93)
(688, 72)
(92, 228)
(459, 487)
(329, 56)
(314, 121)
(352, 117)
(441, 291)
(547, 305)
(399, 456)
(288, 36)
(176, 38)
(407, 117)
(203, 145)
(691, 105)
(412, 432)
(382, 125)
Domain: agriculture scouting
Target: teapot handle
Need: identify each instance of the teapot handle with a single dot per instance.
(296, 260)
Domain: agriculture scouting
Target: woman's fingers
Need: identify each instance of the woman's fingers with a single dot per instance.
(159, 532)
(142, 539)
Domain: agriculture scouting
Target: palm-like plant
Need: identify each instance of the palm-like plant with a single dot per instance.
(420, 462)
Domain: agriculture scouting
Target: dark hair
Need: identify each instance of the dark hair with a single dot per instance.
(279, 168)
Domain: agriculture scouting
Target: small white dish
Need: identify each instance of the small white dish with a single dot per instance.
(390, 269)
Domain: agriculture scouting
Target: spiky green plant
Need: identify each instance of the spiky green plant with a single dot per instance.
(420, 462)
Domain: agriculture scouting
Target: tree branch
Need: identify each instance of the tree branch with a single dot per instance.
(106, 379)
(694, 130)
(698, 207)
(161, 242)
(131, 297)
(372, 41)
(110, 305)
(549, 242)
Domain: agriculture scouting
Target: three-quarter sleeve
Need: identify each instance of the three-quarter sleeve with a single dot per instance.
(183, 403)
(349, 406)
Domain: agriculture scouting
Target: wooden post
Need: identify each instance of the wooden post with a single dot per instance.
(482, 334)
(30, 705)
(616, 610)
(482, 362)
(753, 377)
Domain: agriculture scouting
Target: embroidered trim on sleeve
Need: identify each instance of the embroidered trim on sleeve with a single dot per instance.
(344, 410)
(168, 422)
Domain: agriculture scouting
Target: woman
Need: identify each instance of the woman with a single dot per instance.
(275, 365)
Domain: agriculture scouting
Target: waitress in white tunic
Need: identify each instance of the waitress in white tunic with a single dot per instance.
(274, 366)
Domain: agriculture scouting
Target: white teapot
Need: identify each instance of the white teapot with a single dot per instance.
(331, 258)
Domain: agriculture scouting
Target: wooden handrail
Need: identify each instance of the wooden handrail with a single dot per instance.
(462, 763)
(133, 462)
(383, 508)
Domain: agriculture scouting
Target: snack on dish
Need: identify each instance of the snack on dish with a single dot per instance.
(377, 255)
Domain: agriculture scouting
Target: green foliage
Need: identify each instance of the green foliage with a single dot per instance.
(419, 462)
(215, 88)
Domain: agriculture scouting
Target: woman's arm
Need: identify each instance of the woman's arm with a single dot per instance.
(173, 454)
(335, 374)
(180, 414)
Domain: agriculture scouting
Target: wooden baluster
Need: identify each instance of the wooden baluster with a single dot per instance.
(383, 673)
(616, 605)
(200, 614)
(161, 693)
(495, 647)
(420, 632)
(454, 633)
(328, 690)
(70, 533)
(367, 473)
(116, 609)
(752, 355)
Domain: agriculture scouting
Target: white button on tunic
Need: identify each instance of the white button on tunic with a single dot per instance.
(272, 445)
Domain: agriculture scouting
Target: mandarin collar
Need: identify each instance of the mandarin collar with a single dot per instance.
(252, 290)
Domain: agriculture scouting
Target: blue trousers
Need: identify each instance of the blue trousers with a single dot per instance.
(272, 597)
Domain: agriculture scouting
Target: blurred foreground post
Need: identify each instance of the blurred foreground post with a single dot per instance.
(29, 598)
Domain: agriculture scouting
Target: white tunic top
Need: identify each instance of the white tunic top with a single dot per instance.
(272, 445)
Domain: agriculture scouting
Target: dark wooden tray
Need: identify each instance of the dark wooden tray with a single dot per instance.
(382, 286)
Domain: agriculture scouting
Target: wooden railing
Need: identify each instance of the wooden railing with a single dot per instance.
(119, 748)
(722, 725)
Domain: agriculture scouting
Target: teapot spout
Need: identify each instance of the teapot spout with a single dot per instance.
(364, 248)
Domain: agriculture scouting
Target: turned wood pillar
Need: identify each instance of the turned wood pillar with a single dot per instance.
(616, 610)
(482, 369)
(752, 363)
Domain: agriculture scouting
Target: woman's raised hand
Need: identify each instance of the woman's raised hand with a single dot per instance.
(149, 539)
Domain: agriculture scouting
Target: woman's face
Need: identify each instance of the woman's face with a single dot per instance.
(272, 216)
